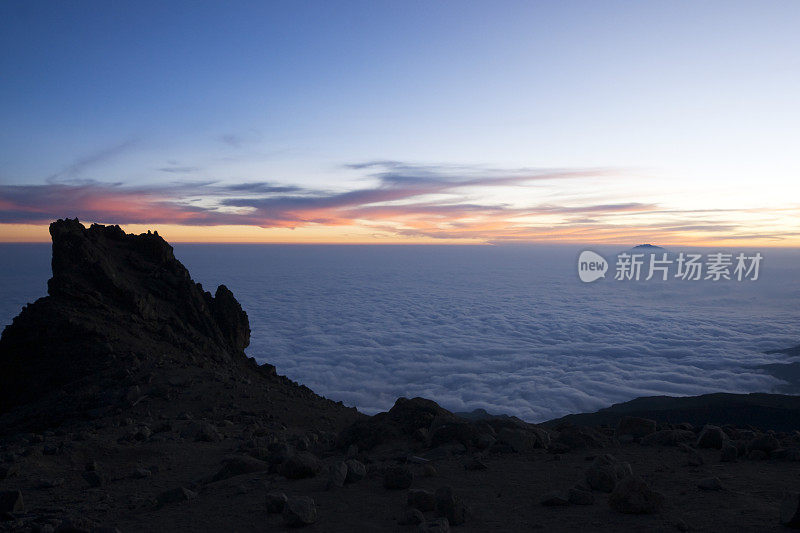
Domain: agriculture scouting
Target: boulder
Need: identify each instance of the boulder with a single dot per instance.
(632, 495)
(300, 465)
(711, 437)
(766, 443)
(524, 440)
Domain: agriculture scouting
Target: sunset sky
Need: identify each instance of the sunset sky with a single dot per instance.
(404, 122)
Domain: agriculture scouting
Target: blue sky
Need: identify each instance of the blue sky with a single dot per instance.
(683, 106)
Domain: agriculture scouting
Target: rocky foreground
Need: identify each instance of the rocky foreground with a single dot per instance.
(127, 404)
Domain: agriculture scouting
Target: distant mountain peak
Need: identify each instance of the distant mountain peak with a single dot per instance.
(647, 247)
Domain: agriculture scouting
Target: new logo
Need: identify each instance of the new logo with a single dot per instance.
(591, 266)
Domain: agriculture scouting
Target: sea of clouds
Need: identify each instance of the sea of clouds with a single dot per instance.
(509, 329)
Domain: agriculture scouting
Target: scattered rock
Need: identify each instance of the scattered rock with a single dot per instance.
(398, 477)
(176, 495)
(709, 483)
(300, 511)
(424, 500)
(356, 471)
(790, 510)
(237, 466)
(635, 426)
(757, 455)
(553, 499)
(94, 479)
(632, 495)
(450, 506)
(668, 437)
(141, 473)
(474, 463)
(411, 517)
(729, 453)
(276, 501)
(429, 471)
(439, 525)
(208, 433)
(337, 474)
(579, 496)
(605, 471)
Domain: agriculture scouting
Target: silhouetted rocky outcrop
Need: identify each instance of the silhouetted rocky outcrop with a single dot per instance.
(117, 303)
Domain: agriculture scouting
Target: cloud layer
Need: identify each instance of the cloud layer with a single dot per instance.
(509, 329)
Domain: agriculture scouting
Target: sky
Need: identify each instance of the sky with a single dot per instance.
(404, 122)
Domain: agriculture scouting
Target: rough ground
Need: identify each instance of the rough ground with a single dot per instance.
(127, 403)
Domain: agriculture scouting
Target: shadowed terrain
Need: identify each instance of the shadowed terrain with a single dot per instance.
(127, 403)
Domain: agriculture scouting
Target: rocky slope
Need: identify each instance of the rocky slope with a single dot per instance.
(128, 404)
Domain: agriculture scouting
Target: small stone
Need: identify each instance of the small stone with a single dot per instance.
(411, 517)
(94, 479)
(141, 473)
(356, 471)
(300, 511)
(632, 495)
(553, 499)
(429, 471)
(11, 501)
(474, 464)
(276, 501)
(424, 500)
(790, 510)
(579, 496)
(450, 506)
(6, 471)
(208, 433)
(710, 483)
(398, 477)
(757, 455)
(176, 495)
(439, 525)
